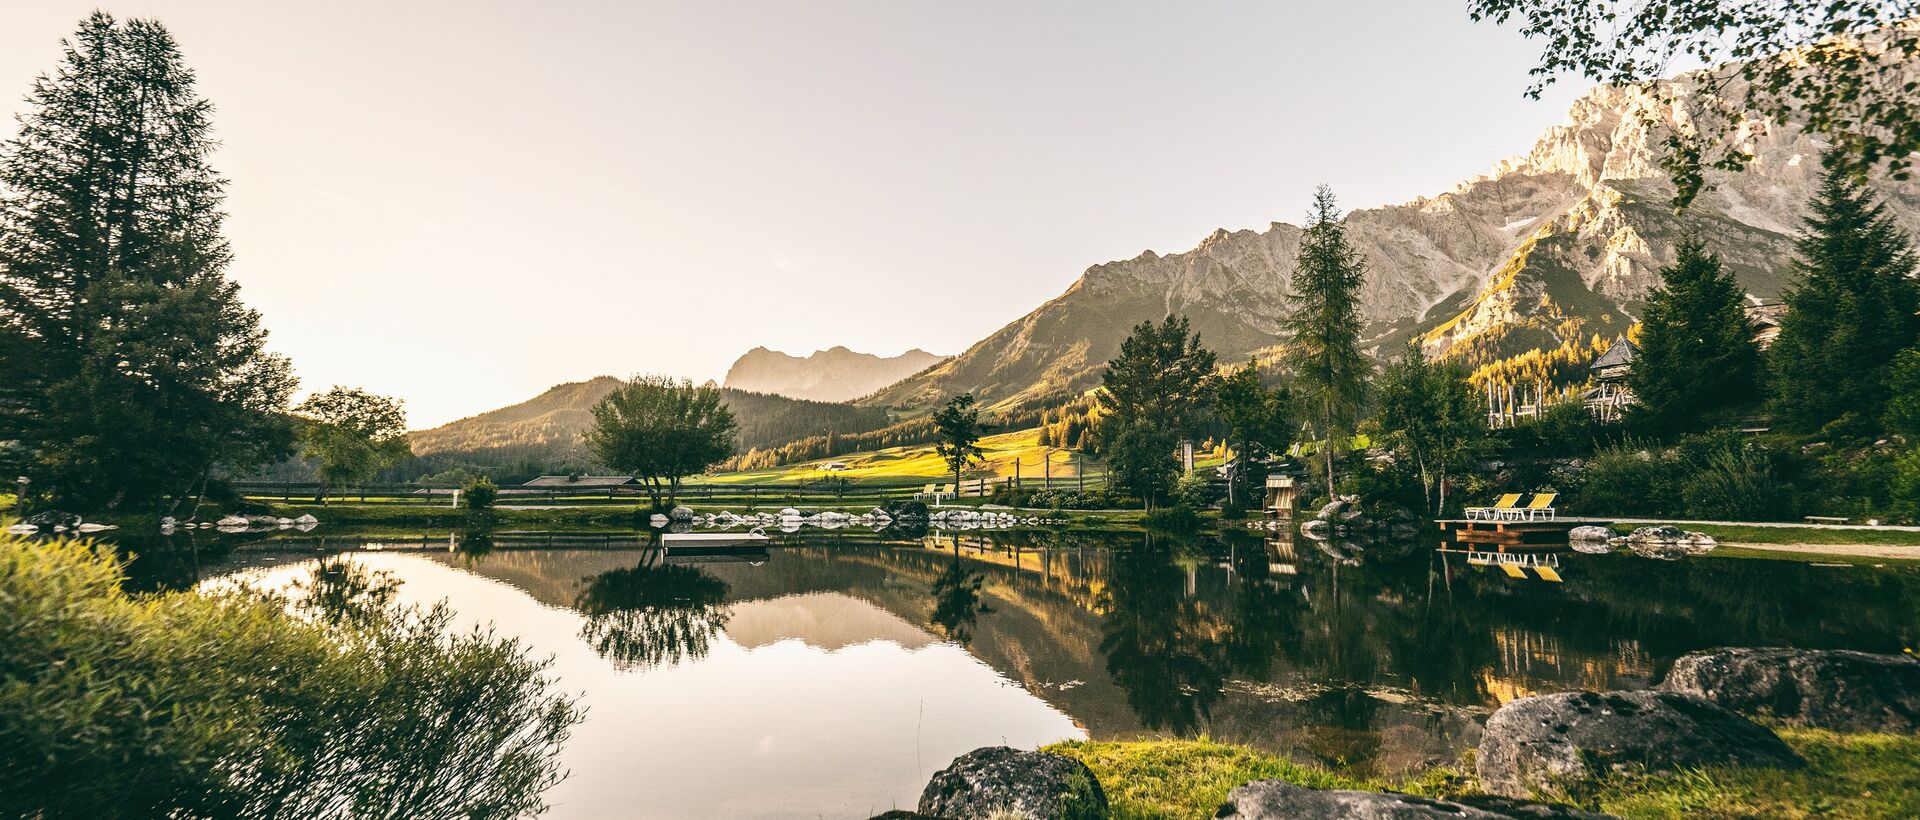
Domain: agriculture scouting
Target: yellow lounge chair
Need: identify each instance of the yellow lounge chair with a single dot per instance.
(1505, 503)
(1513, 570)
(1547, 573)
(1540, 509)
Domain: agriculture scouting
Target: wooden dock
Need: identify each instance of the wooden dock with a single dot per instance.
(1503, 536)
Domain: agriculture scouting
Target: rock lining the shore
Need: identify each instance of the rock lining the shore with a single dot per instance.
(1280, 800)
(1000, 781)
(1835, 689)
(1551, 744)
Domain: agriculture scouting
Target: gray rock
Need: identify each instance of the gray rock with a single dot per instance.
(1834, 689)
(999, 781)
(1589, 533)
(1545, 745)
(680, 514)
(1280, 800)
(51, 519)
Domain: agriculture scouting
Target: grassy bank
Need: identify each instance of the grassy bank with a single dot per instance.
(1864, 776)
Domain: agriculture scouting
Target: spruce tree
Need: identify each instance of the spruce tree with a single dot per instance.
(1697, 355)
(1323, 333)
(133, 371)
(1849, 313)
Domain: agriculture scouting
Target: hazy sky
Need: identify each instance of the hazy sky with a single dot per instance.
(463, 202)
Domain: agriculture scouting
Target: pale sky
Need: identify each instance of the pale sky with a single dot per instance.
(464, 202)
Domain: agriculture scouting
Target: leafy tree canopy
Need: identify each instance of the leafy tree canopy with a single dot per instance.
(661, 431)
(352, 433)
(958, 434)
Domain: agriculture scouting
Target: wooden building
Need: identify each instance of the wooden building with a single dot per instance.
(1283, 496)
(1610, 397)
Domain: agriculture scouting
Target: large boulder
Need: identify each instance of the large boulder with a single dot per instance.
(998, 781)
(681, 513)
(1280, 800)
(1834, 689)
(1589, 532)
(1551, 745)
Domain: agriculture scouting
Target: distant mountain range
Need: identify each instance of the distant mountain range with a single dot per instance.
(548, 428)
(835, 374)
(1523, 273)
(1516, 272)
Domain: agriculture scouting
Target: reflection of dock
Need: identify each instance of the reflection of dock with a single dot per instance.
(1503, 536)
(1514, 564)
(714, 553)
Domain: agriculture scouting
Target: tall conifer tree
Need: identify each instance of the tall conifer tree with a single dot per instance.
(1697, 355)
(133, 372)
(1850, 311)
(1323, 333)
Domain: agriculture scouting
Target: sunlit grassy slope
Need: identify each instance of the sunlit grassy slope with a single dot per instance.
(921, 465)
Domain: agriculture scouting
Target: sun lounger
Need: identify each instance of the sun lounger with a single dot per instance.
(1506, 502)
(1539, 509)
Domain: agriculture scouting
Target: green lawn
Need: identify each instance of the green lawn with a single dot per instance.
(1808, 535)
(1863, 776)
(918, 465)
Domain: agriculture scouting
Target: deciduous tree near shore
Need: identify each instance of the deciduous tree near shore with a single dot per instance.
(661, 431)
(131, 371)
(351, 433)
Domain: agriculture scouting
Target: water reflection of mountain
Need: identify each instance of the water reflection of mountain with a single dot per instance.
(1380, 665)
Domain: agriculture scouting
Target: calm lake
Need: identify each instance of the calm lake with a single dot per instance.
(831, 674)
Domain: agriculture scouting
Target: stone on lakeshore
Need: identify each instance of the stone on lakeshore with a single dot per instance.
(998, 781)
(1834, 689)
(680, 514)
(1589, 533)
(1280, 800)
(52, 520)
(1546, 744)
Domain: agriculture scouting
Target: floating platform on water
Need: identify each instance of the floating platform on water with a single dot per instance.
(1505, 535)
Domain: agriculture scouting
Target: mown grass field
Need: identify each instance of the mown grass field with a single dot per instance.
(920, 464)
(1847, 775)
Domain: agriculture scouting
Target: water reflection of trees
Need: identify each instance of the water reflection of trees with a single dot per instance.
(957, 602)
(652, 614)
(1163, 647)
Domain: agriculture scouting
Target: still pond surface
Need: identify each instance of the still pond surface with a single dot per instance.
(831, 674)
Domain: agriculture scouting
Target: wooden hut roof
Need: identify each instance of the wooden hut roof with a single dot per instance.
(1620, 354)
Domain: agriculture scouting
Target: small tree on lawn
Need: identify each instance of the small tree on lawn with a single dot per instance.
(350, 434)
(662, 430)
(959, 434)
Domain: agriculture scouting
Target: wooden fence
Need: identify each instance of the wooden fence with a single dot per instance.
(289, 491)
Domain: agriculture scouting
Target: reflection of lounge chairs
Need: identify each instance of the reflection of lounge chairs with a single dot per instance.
(1539, 509)
(1505, 504)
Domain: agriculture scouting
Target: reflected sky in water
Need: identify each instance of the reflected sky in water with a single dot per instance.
(832, 674)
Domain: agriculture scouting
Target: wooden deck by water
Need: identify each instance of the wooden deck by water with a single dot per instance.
(1503, 536)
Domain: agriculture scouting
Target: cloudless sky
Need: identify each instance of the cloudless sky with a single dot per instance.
(464, 202)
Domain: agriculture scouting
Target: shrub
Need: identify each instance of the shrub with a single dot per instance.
(231, 704)
(1177, 518)
(1739, 483)
(480, 493)
(1627, 479)
(1192, 490)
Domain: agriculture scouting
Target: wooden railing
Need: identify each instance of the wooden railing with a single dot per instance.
(760, 494)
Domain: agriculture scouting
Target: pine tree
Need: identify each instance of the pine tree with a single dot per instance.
(1323, 334)
(1849, 313)
(1157, 391)
(1696, 354)
(133, 371)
